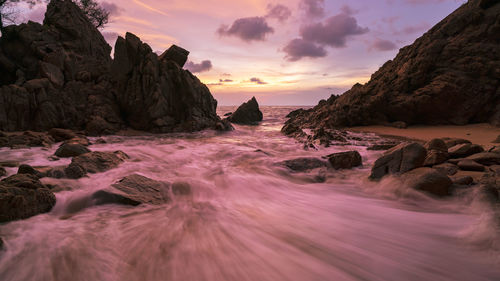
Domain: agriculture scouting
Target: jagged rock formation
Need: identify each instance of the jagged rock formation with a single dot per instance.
(59, 74)
(450, 75)
(248, 113)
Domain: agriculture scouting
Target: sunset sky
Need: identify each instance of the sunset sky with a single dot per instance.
(283, 52)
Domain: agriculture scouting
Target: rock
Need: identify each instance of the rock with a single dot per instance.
(23, 196)
(435, 157)
(487, 193)
(3, 172)
(446, 169)
(52, 73)
(2, 247)
(448, 76)
(462, 180)
(26, 139)
(59, 172)
(464, 150)
(400, 159)
(248, 113)
(100, 141)
(27, 169)
(436, 144)
(59, 134)
(134, 190)
(381, 146)
(71, 150)
(10, 164)
(79, 140)
(497, 140)
(94, 162)
(228, 114)
(451, 142)
(175, 54)
(304, 164)
(345, 160)
(486, 158)
(470, 165)
(428, 180)
(181, 188)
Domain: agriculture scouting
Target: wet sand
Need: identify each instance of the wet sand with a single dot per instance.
(483, 134)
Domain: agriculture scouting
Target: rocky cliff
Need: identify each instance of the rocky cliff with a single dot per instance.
(450, 75)
(60, 74)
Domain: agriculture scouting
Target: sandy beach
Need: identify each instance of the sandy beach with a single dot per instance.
(483, 134)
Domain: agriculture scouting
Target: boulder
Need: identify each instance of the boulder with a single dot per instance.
(470, 165)
(94, 162)
(23, 196)
(134, 190)
(446, 169)
(436, 144)
(435, 157)
(59, 134)
(248, 113)
(27, 169)
(79, 140)
(304, 164)
(175, 54)
(181, 188)
(464, 150)
(462, 180)
(486, 158)
(71, 150)
(26, 139)
(400, 159)
(381, 146)
(345, 160)
(448, 76)
(428, 180)
(451, 142)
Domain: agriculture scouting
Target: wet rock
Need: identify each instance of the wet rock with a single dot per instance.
(304, 164)
(435, 157)
(451, 142)
(3, 172)
(134, 190)
(462, 180)
(400, 159)
(79, 140)
(486, 158)
(94, 162)
(23, 196)
(175, 54)
(71, 150)
(27, 169)
(464, 150)
(100, 141)
(446, 169)
(248, 113)
(428, 180)
(10, 164)
(470, 165)
(436, 144)
(345, 160)
(181, 188)
(27, 139)
(59, 172)
(292, 130)
(294, 113)
(59, 134)
(381, 146)
(326, 137)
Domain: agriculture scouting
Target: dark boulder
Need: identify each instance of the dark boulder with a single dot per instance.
(400, 159)
(382, 146)
(462, 180)
(94, 162)
(345, 160)
(248, 113)
(486, 158)
(175, 54)
(428, 180)
(437, 152)
(446, 168)
(134, 190)
(464, 150)
(304, 164)
(470, 165)
(59, 134)
(27, 169)
(71, 150)
(451, 142)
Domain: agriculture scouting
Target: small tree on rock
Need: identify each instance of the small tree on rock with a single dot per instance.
(97, 15)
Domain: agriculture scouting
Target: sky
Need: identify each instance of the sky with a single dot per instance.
(293, 52)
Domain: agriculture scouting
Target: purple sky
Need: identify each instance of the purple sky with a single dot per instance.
(283, 52)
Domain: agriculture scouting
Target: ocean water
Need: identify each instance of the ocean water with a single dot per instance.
(248, 218)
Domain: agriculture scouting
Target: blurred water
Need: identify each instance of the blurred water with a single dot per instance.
(248, 219)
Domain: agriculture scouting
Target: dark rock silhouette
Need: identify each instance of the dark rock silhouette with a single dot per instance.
(248, 113)
(60, 75)
(450, 75)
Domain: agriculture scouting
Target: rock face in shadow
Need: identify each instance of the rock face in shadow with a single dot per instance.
(247, 114)
(448, 76)
(60, 75)
(94, 162)
(23, 196)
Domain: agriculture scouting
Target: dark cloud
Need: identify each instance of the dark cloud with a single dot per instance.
(279, 12)
(225, 80)
(110, 37)
(345, 9)
(112, 8)
(334, 31)
(257, 81)
(300, 48)
(313, 8)
(247, 29)
(205, 65)
(383, 45)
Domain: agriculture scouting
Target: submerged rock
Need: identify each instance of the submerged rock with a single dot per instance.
(23, 196)
(400, 159)
(134, 190)
(181, 188)
(71, 150)
(248, 113)
(345, 160)
(94, 162)
(428, 180)
(304, 164)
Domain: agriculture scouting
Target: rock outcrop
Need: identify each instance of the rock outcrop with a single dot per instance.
(450, 75)
(94, 162)
(247, 114)
(61, 75)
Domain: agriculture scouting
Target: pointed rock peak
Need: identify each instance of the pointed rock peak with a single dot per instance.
(176, 54)
(248, 113)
